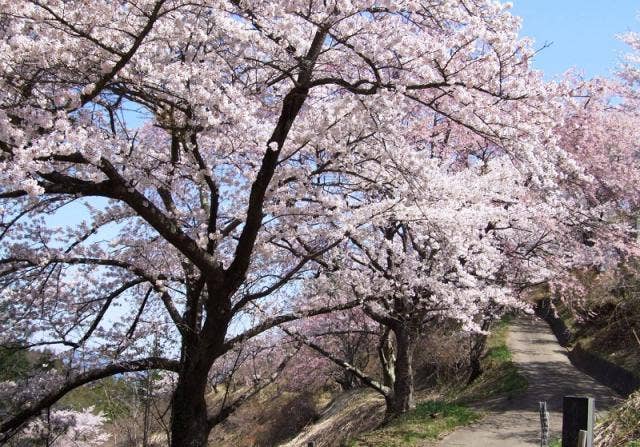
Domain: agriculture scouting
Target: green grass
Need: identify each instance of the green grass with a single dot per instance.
(429, 421)
(500, 375)
(433, 419)
(498, 354)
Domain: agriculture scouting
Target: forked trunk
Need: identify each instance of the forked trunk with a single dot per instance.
(401, 399)
(190, 424)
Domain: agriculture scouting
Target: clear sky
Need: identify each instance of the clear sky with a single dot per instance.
(581, 32)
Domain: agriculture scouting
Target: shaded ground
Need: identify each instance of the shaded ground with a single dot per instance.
(352, 412)
(515, 422)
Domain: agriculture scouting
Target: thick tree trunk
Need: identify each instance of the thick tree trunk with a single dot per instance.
(189, 426)
(401, 399)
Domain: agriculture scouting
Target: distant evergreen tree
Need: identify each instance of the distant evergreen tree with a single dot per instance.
(14, 364)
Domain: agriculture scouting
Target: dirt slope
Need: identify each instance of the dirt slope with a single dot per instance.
(515, 422)
(353, 412)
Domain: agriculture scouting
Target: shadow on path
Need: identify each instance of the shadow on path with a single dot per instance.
(550, 375)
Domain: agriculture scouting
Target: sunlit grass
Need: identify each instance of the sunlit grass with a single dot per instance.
(429, 421)
(500, 375)
(433, 419)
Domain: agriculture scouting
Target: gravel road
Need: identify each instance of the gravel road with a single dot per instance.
(515, 422)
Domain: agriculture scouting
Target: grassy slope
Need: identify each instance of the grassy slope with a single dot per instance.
(349, 414)
(268, 418)
(432, 419)
(610, 322)
(609, 328)
(622, 426)
(428, 421)
(500, 376)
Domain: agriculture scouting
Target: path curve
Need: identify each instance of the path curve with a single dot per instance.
(515, 422)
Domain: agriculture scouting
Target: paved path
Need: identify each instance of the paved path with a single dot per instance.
(550, 375)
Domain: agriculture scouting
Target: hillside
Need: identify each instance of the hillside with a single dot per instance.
(498, 417)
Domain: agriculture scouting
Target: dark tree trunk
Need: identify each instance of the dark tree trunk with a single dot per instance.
(476, 351)
(401, 399)
(475, 367)
(189, 426)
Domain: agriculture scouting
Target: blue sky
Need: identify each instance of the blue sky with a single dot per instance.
(582, 32)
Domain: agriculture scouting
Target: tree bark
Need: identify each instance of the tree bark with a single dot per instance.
(475, 354)
(387, 356)
(189, 427)
(476, 351)
(402, 399)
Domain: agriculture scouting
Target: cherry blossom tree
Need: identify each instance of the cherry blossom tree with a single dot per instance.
(62, 428)
(207, 157)
(600, 131)
(528, 238)
(350, 335)
(630, 70)
(475, 237)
